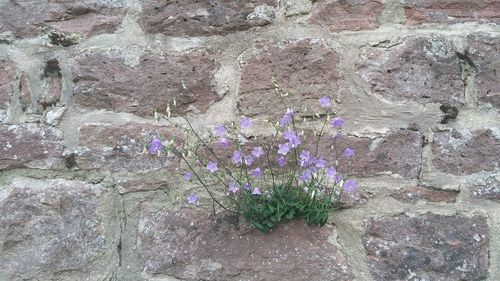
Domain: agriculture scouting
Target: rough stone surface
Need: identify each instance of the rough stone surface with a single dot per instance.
(52, 84)
(104, 81)
(122, 148)
(427, 247)
(56, 230)
(483, 51)
(185, 244)
(419, 69)
(488, 188)
(145, 181)
(297, 7)
(346, 14)
(451, 11)
(399, 152)
(88, 17)
(25, 99)
(7, 82)
(305, 68)
(414, 194)
(203, 18)
(30, 145)
(466, 153)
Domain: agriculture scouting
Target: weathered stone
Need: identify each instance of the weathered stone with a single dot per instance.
(7, 82)
(6, 37)
(52, 84)
(57, 230)
(64, 39)
(346, 14)
(488, 188)
(186, 244)
(414, 194)
(466, 153)
(427, 247)
(483, 51)
(305, 68)
(87, 17)
(144, 181)
(122, 148)
(30, 145)
(297, 7)
(419, 70)
(25, 99)
(451, 11)
(203, 18)
(106, 82)
(399, 152)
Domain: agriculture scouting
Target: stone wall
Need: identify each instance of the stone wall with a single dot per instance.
(417, 80)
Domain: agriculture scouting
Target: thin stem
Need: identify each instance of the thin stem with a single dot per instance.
(319, 137)
(202, 182)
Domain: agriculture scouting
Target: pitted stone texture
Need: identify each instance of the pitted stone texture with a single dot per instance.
(451, 11)
(185, 244)
(427, 247)
(122, 147)
(483, 51)
(87, 17)
(414, 194)
(466, 153)
(52, 84)
(418, 70)
(346, 14)
(488, 188)
(30, 145)
(57, 230)
(105, 81)
(143, 181)
(306, 68)
(399, 152)
(204, 18)
(7, 82)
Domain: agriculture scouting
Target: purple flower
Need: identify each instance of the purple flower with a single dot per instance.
(305, 158)
(284, 149)
(292, 138)
(246, 186)
(192, 198)
(237, 158)
(188, 176)
(282, 161)
(257, 152)
(331, 172)
(324, 101)
(233, 187)
(256, 191)
(245, 122)
(286, 119)
(220, 130)
(155, 146)
(338, 178)
(338, 122)
(248, 160)
(350, 185)
(306, 176)
(313, 169)
(224, 142)
(320, 163)
(349, 153)
(212, 167)
(257, 172)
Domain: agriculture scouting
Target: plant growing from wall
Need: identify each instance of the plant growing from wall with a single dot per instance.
(272, 181)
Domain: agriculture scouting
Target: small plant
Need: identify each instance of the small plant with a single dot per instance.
(280, 178)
